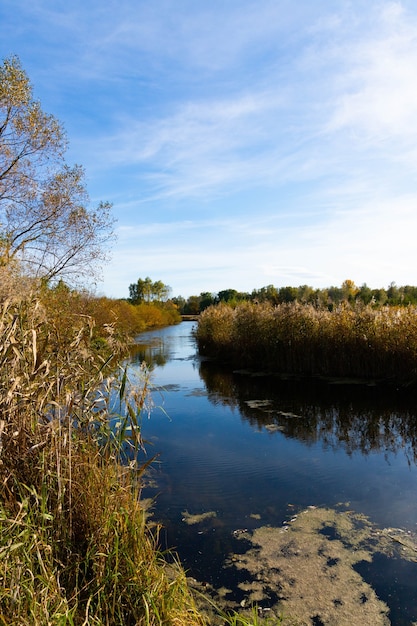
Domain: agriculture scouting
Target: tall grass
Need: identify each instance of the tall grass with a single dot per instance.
(302, 339)
(76, 547)
(252, 617)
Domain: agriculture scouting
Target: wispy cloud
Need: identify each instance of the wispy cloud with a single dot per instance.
(242, 143)
(358, 96)
(378, 92)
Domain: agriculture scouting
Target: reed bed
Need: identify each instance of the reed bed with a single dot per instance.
(76, 546)
(301, 339)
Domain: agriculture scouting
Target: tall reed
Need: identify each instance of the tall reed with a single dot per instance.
(301, 339)
(76, 547)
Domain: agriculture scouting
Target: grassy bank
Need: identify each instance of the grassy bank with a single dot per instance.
(300, 339)
(76, 547)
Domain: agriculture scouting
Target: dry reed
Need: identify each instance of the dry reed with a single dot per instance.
(75, 544)
(301, 339)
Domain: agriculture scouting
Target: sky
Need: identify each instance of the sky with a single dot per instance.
(242, 143)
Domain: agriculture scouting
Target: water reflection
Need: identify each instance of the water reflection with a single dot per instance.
(246, 451)
(154, 354)
(340, 416)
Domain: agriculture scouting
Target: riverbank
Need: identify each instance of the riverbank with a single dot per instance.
(76, 544)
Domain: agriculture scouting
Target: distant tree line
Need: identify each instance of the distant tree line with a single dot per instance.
(329, 297)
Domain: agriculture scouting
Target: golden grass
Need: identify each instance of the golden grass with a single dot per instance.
(301, 339)
(75, 546)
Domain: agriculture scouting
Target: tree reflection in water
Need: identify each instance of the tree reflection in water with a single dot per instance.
(342, 415)
(154, 354)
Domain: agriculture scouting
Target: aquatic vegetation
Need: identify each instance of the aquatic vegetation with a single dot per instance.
(309, 565)
(301, 339)
(197, 518)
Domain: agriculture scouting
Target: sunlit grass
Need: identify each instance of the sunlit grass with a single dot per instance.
(301, 339)
(76, 546)
(253, 617)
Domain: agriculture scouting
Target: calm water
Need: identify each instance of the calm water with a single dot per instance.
(244, 445)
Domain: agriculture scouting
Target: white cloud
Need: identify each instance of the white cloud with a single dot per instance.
(378, 96)
(310, 121)
(365, 245)
(254, 142)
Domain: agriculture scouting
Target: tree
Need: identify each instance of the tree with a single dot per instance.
(365, 294)
(306, 294)
(206, 300)
(232, 296)
(46, 224)
(192, 306)
(144, 290)
(179, 302)
(139, 292)
(160, 291)
(409, 294)
(335, 294)
(265, 294)
(226, 295)
(393, 293)
(379, 296)
(287, 294)
(349, 290)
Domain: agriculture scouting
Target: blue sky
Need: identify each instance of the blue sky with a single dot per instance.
(242, 142)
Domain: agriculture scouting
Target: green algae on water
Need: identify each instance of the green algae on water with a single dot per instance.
(191, 519)
(307, 567)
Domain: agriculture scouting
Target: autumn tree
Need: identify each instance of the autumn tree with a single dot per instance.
(349, 290)
(46, 222)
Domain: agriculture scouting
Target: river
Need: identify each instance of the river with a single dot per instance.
(246, 450)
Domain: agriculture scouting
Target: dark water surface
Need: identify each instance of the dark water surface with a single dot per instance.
(254, 449)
